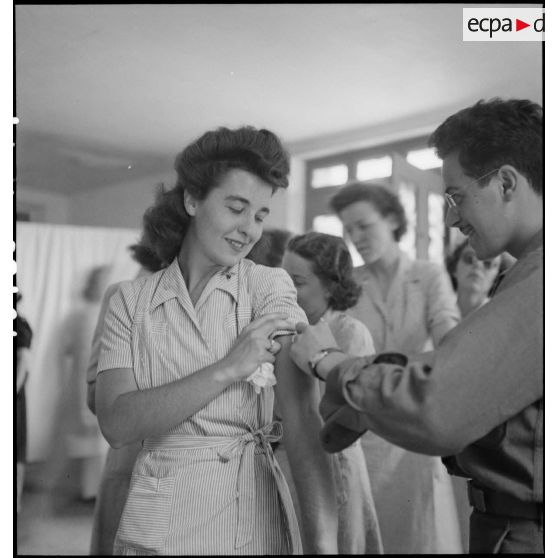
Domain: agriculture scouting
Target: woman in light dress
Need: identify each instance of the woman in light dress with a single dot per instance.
(321, 269)
(407, 305)
(184, 368)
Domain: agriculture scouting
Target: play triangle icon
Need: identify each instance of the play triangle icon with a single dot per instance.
(519, 25)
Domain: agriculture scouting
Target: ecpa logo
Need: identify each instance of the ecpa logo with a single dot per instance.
(503, 24)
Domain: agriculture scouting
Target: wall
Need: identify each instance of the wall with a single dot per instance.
(45, 207)
(369, 136)
(118, 205)
(123, 204)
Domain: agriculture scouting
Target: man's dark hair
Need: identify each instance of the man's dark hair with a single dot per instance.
(494, 133)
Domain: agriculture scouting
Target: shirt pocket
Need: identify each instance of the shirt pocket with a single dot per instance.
(241, 316)
(159, 328)
(209, 493)
(145, 520)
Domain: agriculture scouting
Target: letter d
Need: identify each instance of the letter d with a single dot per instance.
(539, 23)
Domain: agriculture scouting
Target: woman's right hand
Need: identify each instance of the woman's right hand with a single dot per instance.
(254, 345)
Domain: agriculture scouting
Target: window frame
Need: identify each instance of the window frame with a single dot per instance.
(317, 199)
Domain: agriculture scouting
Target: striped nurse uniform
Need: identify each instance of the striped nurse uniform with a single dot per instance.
(211, 484)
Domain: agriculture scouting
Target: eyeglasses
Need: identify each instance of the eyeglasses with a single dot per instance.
(452, 204)
(470, 258)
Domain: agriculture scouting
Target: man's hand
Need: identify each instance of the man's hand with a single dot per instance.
(308, 340)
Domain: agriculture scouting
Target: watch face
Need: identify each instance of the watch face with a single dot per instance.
(391, 358)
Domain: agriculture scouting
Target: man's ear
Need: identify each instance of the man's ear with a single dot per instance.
(190, 204)
(510, 177)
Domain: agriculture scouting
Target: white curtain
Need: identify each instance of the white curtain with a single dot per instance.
(53, 262)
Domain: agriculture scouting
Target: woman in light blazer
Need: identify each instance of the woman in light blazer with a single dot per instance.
(407, 306)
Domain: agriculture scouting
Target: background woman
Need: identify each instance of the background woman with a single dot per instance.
(24, 334)
(406, 306)
(472, 278)
(321, 269)
(77, 442)
(177, 349)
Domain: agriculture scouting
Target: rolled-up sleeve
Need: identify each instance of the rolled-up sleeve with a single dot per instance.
(116, 345)
(274, 291)
(486, 370)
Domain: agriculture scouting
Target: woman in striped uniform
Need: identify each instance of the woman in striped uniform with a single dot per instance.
(177, 348)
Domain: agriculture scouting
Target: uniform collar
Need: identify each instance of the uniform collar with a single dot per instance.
(534, 243)
(172, 285)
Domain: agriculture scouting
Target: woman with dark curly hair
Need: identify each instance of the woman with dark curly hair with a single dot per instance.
(321, 268)
(407, 305)
(187, 368)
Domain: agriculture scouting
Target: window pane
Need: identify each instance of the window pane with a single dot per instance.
(408, 201)
(330, 224)
(424, 158)
(369, 169)
(436, 228)
(335, 175)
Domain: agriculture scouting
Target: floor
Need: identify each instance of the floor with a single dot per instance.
(53, 522)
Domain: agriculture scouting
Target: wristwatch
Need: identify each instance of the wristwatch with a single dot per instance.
(316, 358)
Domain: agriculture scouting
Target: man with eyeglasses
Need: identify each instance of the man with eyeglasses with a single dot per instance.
(478, 399)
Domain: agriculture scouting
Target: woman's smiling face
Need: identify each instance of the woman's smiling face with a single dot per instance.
(229, 221)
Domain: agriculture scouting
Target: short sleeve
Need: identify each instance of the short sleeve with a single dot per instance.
(116, 339)
(352, 335)
(97, 334)
(273, 291)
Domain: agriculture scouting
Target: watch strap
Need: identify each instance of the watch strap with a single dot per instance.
(317, 358)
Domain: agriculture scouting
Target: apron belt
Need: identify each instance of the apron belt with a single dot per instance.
(245, 446)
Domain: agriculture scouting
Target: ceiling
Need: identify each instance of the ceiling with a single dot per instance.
(109, 93)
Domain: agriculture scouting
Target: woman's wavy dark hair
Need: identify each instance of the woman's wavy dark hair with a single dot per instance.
(200, 168)
(384, 200)
(145, 257)
(331, 262)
